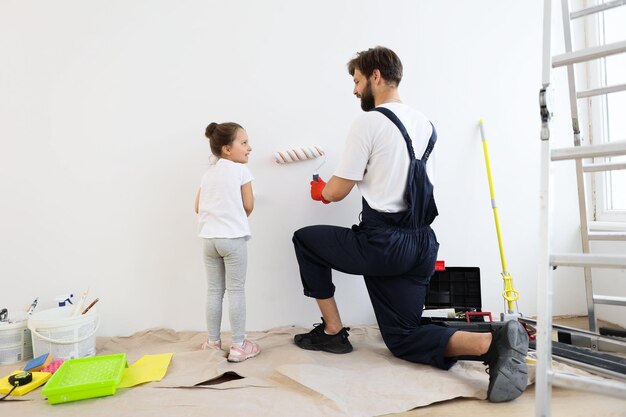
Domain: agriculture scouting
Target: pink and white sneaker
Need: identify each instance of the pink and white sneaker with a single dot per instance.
(241, 353)
(212, 345)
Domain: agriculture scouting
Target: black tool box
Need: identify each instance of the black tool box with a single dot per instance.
(457, 288)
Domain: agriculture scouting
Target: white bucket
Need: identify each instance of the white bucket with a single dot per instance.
(15, 343)
(57, 332)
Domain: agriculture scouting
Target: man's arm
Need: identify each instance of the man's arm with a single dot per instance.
(337, 188)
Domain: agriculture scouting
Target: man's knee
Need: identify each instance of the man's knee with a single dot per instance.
(302, 235)
(296, 236)
(392, 342)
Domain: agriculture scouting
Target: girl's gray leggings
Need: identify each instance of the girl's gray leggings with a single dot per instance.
(226, 262)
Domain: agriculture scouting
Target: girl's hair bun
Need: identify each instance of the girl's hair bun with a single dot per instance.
(210, 129)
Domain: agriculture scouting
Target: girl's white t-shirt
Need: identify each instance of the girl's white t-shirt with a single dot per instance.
(220, 212)
(376, 155)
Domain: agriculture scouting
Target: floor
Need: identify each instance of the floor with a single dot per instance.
(199, 402)
(564, 402)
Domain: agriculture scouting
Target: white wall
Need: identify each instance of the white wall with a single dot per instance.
(103, 106)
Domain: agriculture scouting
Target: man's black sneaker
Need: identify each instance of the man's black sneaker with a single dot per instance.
(506, 360)
(316, 339)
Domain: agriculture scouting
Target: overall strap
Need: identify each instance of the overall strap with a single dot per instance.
(409, 144)
(431, 144)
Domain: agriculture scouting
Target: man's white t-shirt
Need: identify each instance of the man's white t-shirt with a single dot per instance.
(221, 211)
(376, 155)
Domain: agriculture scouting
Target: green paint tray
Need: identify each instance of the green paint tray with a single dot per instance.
(79, 379)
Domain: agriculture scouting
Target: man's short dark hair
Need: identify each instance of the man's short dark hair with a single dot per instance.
(383, 59)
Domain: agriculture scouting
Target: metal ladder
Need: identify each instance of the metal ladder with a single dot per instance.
(545, 375)
(568, 59)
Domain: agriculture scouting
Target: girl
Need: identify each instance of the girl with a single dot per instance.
(223, 203)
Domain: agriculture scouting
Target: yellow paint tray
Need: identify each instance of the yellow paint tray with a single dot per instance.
(79, 379)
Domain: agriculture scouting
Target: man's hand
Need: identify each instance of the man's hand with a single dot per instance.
(316, 190)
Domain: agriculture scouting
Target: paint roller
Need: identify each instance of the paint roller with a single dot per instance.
(302, 154)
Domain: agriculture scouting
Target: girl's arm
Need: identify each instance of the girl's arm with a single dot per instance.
(247, 197)
(197, 205)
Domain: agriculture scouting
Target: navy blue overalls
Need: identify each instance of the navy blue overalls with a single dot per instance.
(395, 253)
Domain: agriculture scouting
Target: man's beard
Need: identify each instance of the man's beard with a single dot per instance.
(367, 98)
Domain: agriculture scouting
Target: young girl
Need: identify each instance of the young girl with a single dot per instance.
(223, 203)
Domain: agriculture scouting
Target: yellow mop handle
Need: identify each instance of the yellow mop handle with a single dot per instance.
(509, 294)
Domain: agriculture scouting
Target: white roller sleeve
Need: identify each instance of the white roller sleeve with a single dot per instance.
(298, 154)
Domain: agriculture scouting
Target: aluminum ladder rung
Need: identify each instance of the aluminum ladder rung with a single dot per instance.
(589, 151)
(601, 90)
(605, 166)
(612, 236)
(585, 383)
(588, 260)
(588, 54)
(596, 9)
(591, 368)
(609, 300)
(602, 343)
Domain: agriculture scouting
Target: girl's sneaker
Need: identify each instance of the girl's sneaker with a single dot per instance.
(241, 353)
(212, 345)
